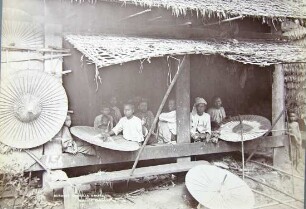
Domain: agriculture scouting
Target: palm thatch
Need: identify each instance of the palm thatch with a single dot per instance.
(295, 74)
(224, 8)
(110, 50)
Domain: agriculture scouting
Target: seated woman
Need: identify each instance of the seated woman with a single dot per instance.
(167, 124)
(144, 114)
(217, 113)
(200, 121)
(130, 125)
(106, 114)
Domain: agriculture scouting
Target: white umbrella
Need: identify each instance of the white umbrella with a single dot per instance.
(216, 188)
(33, 108)
(253, 126)
(91, 135)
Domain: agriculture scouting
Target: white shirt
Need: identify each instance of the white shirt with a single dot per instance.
(170, 118)
(200, 123)
(131, 128)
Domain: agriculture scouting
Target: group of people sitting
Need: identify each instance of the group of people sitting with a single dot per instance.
(201, 123)
(137, 120)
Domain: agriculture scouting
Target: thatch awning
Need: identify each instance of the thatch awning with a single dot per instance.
(223, 8)
(107, 50)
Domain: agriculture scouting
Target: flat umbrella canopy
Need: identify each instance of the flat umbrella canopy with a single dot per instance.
(253, 126)
(92, 136)
(33, 108)
(216, 188)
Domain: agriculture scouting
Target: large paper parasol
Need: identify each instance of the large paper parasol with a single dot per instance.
(253, 126)
(216, 188)
(33, 108)
(91, 135)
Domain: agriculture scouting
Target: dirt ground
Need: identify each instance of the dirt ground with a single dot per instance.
(169, 191)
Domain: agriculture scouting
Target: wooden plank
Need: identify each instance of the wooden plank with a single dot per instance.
(71, 198)
(122, 175)
(183, 105)
(280, 155)
(105, 156)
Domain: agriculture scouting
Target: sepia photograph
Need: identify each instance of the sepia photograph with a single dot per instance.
(152, 104)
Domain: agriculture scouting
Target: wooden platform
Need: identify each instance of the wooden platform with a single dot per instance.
(116, 176)
(105, 156)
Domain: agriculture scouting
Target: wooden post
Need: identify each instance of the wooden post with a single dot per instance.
(53, 38)
(183, 105)
(280, 155)
(71, 198)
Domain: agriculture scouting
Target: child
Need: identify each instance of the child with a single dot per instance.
(217, 113)
(144, 114)
(129, 125)
(115, 111)
(98, 123)
(295, 134)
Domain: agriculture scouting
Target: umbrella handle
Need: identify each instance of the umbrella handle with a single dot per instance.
(224, 179)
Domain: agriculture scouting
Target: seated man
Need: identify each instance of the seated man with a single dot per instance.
(98, 123)
(130, 125)
(200, 121)
(144, 114)
(217, 113)
(167, 124)
(115, 111)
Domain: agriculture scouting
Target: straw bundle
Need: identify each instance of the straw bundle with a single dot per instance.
(225, 8)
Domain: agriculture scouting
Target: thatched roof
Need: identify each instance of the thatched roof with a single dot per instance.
(223, 8)
(107, 50)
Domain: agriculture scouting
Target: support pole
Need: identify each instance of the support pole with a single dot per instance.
(280, 154)
(157, 115)
(183, 105)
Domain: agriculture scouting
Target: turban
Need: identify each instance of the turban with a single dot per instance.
(198, 100)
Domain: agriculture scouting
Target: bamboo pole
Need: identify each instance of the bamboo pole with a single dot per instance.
(225, 20)
(17, 48)
(41, 58)
(272, 204)
(157, 115)
(136, 14)
(285, 193)
(290, 100)
(277, 169)
(37, 160)
(242, 147)
(268, 196)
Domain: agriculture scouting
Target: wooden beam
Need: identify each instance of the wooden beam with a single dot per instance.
(184, 32)
(123, 175)
(280, 155)
(106, 156)
(183, 105)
